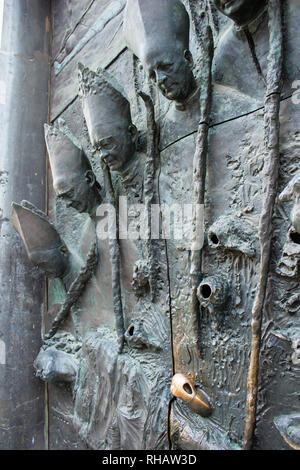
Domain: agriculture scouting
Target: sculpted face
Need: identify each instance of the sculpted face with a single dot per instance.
(241, 12)
(53, 365)
(78, 192)
(115, 145)
(53, 262)
(171, 73)
(107, 115)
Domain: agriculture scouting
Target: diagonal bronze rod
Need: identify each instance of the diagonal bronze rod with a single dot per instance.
(75, 291)
(270, 179)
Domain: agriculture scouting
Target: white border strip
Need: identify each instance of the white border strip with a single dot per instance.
(1, 20)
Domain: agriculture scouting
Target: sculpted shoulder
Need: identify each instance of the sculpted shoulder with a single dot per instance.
(233, 65)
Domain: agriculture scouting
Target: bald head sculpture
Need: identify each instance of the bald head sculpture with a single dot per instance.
(73, 178)
(157, 32)
(108, 118)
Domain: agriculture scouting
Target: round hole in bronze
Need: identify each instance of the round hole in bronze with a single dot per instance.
(187, 389)
(214, 239)
(206, 291)
(295, 237)
(131, 331)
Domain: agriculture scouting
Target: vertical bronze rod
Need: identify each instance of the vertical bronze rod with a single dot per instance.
(150, 167)
(270, 180)
(199, 170)
(115, 260)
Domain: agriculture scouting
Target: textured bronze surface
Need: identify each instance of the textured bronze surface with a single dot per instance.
(173, 335)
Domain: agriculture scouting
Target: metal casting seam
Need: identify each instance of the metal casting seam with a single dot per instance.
(46, 286)
(170, 312)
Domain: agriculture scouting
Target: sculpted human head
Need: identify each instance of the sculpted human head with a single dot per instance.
(115, 143)
(171, 72)
(77, 191)
(157, 32)
(108, 118)
(43, 244)
(242, 12)
(73, 178)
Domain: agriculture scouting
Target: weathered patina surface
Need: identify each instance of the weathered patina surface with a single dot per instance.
(24, 62)
(180, 103)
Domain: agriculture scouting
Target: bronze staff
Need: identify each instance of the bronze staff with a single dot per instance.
(271, 169)
(199, 168)
(150, 167)
(75, 291)
(115, 259)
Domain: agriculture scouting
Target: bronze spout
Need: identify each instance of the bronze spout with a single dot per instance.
(183, 387)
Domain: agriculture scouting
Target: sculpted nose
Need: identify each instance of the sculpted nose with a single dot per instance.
(161, 78)
(104, 152)
(104, 155)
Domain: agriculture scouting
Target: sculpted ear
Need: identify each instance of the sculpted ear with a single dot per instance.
(188, 56)
(133, 132)
(90, 178)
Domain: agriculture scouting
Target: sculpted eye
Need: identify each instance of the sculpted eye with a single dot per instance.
(167, 67)
(152, 76)
(67, 195)
(107, 145)
(63, 249)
